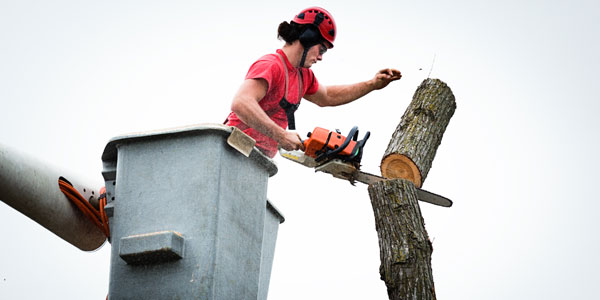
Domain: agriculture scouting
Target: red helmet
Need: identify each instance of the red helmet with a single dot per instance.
(321, 19)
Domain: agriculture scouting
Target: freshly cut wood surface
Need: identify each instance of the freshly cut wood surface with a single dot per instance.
(400, 166)
(416, 139)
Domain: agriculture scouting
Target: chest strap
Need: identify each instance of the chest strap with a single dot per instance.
(288, 107)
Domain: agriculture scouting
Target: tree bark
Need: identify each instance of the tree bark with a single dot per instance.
(405, 249)
(414, 143)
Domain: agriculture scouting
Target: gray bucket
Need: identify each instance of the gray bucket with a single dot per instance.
(188, 215)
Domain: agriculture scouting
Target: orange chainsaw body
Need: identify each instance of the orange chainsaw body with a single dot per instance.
(321, 139)
(324, 145)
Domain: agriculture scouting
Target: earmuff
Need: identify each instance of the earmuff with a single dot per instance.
(310, 37)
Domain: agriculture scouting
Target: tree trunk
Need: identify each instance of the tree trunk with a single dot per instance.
(414, 143)
(405, 249)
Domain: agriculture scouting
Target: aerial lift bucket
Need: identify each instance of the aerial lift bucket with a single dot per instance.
(188, 215)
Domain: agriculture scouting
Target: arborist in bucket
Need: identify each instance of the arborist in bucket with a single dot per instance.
(266, 101)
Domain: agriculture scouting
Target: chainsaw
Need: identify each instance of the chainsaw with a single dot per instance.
(331, 152)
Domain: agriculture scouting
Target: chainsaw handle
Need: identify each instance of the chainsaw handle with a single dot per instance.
(358, 149)
(303, 145)
(362, 142)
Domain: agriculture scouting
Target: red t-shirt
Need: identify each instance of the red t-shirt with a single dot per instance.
(269, 68)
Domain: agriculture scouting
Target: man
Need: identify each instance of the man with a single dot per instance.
(265, 103)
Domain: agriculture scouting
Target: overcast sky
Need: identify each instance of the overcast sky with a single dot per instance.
(519, 157)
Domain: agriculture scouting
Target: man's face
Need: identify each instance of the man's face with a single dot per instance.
(315, 53)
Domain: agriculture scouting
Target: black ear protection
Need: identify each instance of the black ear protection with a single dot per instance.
(310, 37)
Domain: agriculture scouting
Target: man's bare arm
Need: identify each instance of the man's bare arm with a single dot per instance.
(245, 106)
(342, 94)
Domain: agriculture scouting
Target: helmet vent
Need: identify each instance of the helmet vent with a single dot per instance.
(318, 19)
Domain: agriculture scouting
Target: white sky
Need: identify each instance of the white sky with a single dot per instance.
(519, 157)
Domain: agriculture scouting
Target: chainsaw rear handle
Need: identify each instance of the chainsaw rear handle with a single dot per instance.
(299, 137)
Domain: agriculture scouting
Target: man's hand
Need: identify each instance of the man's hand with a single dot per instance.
(291, 141)
(384, 77)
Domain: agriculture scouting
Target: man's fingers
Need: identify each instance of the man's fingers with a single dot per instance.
(301, 147)
(292, 141)
(395, 73)
(384, 72)
(389, 73)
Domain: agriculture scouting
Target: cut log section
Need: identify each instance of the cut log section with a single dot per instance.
(415, 141)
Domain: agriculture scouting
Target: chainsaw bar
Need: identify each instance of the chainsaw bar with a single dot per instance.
(344, 170)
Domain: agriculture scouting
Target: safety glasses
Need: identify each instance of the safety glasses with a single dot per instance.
(322, 49)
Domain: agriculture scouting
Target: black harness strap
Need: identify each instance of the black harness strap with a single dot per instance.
(288, 107)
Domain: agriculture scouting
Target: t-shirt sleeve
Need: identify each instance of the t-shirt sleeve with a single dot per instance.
(310, 82)
(267, 70)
